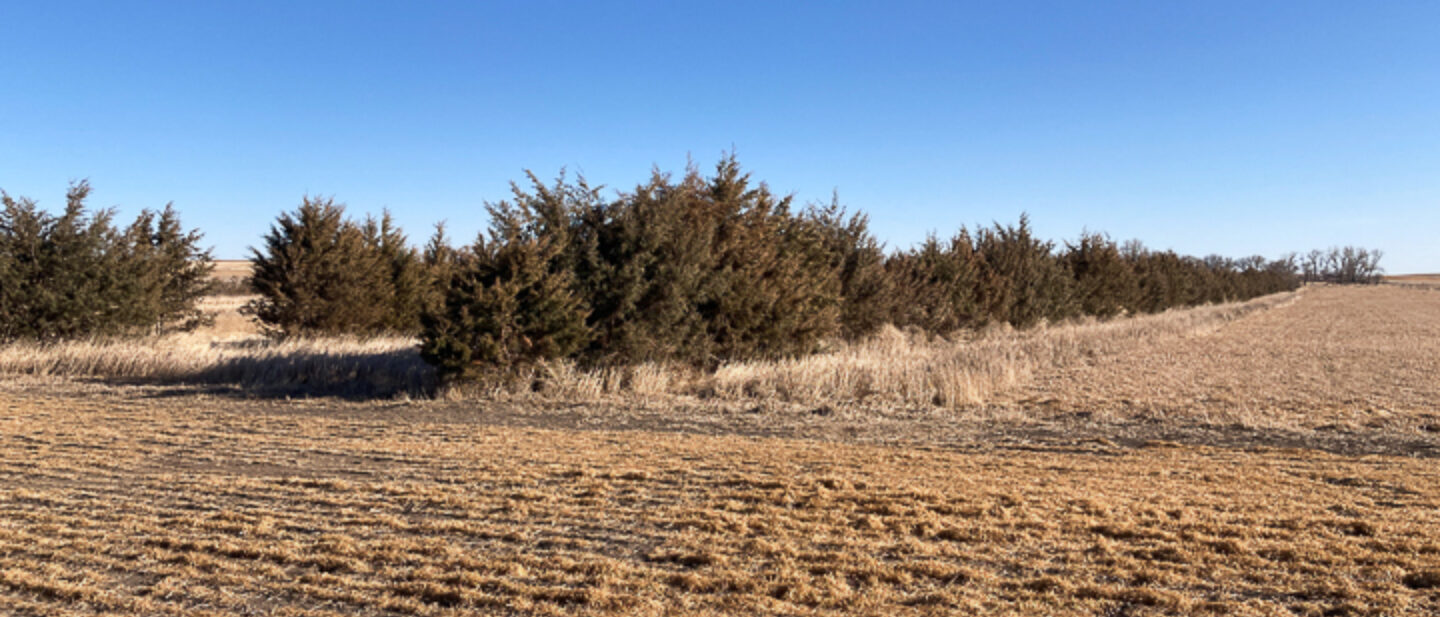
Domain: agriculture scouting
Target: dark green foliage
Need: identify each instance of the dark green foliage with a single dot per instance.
(703, 270)
(76, 274)
(1105, 283)
(165, 270)
(1022, 280)
(410, 283)
(775, 290)
(321, 273)
(511, 297)
(1167, 280)
(937, 285)
(699, 270)
(867, 292)
(646, 261)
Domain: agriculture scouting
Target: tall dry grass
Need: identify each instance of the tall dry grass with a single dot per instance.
(332, 366)
(892, 367)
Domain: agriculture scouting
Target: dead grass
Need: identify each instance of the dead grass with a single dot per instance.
(1341, 358)
(1325, 358)
(892, 368)
(334, 366)
(147, 500)
(908, 369)
(119, 504)
(231, 269)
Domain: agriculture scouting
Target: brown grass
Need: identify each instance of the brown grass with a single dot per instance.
(116, 503)
(159, 500)
(892, 368)
(231, 268)
(1340, 358)
(335, 366)
(895, 368)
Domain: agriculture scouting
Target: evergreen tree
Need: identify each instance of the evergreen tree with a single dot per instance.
(319, 273)
(1105, 284)
(937, 285)
(866, 291)
(76, 274)
(1024, 282)
(511, 300)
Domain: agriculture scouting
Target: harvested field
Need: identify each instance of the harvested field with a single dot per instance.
(1341, 358)
(1060, 499)
(124, 505)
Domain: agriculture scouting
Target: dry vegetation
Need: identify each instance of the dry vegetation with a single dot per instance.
(120, 504)
(1343, 357)
(810, 487)
(891, 368)
(1431, 281)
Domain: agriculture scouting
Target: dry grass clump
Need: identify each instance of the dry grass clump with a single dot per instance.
(123, 505)
(334, 366)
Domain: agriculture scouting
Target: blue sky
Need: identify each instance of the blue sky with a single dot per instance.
(1207, 127)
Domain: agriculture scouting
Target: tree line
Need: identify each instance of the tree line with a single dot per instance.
(78, 274)
(701, 269)
(696, 268)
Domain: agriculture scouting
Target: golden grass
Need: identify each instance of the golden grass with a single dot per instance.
(1340, 358)
(231, 268)
(896, 368)
(363, 367)
(892, 368)
(138, 500)
(118, 504)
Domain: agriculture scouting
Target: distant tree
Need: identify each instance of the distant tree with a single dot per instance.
(1341, 265)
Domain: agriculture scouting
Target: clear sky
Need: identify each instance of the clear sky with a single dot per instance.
(1207, 127)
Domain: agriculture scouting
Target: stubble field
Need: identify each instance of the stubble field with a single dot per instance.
(1279, 463)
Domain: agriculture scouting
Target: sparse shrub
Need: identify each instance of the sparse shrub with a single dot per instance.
(77, 275)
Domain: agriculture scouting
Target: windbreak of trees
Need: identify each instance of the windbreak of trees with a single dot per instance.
(77, 274)
(701, 269)
(1342, 265)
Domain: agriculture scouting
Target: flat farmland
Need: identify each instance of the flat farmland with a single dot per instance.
(1283, 463)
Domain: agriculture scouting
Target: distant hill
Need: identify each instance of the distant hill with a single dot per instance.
(1419, 280)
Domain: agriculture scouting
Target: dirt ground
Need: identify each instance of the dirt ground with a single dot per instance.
(1284, 464)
